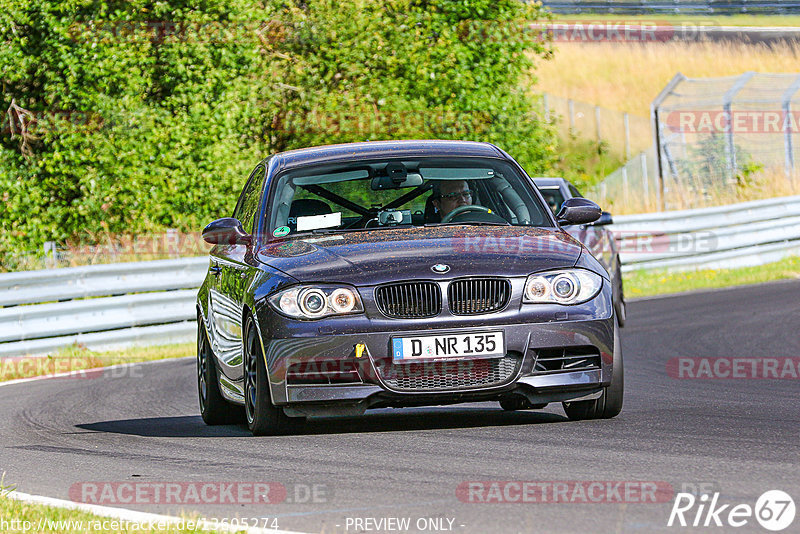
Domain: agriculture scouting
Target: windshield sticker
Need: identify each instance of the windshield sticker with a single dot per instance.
(281, 231)
(314, 222)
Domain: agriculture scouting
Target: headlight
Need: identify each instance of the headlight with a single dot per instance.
(562, 287)
(315, 302)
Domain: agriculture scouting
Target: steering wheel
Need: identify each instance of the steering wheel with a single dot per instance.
(464, 209)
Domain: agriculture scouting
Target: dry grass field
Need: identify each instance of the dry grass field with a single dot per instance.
(627, 77)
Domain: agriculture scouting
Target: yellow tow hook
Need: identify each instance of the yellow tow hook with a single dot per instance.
(360, 350)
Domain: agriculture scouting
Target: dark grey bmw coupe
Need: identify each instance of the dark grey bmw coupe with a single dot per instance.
(397, 274)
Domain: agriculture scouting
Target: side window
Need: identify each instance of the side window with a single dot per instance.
(248, 203)
(574, 191)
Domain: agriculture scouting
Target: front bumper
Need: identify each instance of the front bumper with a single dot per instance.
(373, 387)
(533, 334)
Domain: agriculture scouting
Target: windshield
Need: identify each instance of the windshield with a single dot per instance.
(552, 195)
(392, 193)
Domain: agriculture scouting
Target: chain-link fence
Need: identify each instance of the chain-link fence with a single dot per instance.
(623, 134)
(718, 136)
(633, 188)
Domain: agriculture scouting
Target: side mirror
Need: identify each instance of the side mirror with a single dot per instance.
(605, 219)
(227, 231)
(578, 211)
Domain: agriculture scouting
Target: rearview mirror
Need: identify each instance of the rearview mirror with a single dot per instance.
(578, 211)
(226, 231)
(379, 183)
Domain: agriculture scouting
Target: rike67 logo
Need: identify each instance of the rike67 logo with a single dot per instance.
(774, 510)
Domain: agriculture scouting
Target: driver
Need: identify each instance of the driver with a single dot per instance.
(449, 195)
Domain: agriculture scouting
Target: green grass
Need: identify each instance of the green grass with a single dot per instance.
(76, 358)
(46, 519)
(704, 20)
(648, 283)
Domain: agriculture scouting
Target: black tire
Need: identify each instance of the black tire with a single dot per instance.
(619, 304)
(609, 404)
(263, 417)
(517, 402)
(214, 409)
(513, 403)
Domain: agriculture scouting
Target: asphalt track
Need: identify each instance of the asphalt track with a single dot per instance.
(738, 437)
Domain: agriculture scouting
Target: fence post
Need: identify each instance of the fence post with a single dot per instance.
(627, 136)
(546, 103)
(571, 107)
(645, 185)
(597, 124)
(625, 184)
(786, 105)
(171, 239)
(657, 141)
(727, 99)
(50, 254)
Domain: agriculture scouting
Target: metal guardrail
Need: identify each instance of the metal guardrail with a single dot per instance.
(29, 287)
(702, 7)
(109, 306)
(738, 235)
(100, 306)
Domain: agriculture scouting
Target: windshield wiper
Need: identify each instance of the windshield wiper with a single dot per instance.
(470, 223)
(343, 230)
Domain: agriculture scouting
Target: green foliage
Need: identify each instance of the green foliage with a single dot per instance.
(585, 162)
(707, 164)
(131, 117)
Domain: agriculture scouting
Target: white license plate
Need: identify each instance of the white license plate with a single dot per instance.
(484, 344)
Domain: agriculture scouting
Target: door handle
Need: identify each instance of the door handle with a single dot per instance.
(215, 269)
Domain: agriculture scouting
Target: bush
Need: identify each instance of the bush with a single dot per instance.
(132, 117)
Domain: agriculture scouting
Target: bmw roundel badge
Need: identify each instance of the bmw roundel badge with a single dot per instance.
(440, 268)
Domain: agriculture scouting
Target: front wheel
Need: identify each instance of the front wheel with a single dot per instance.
(263, 417)
(619, 304)
(214, 409)
(609, 403)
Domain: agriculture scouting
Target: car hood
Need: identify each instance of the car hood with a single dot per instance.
(379, 256)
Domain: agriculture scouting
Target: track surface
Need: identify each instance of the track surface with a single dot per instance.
(739, 435)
